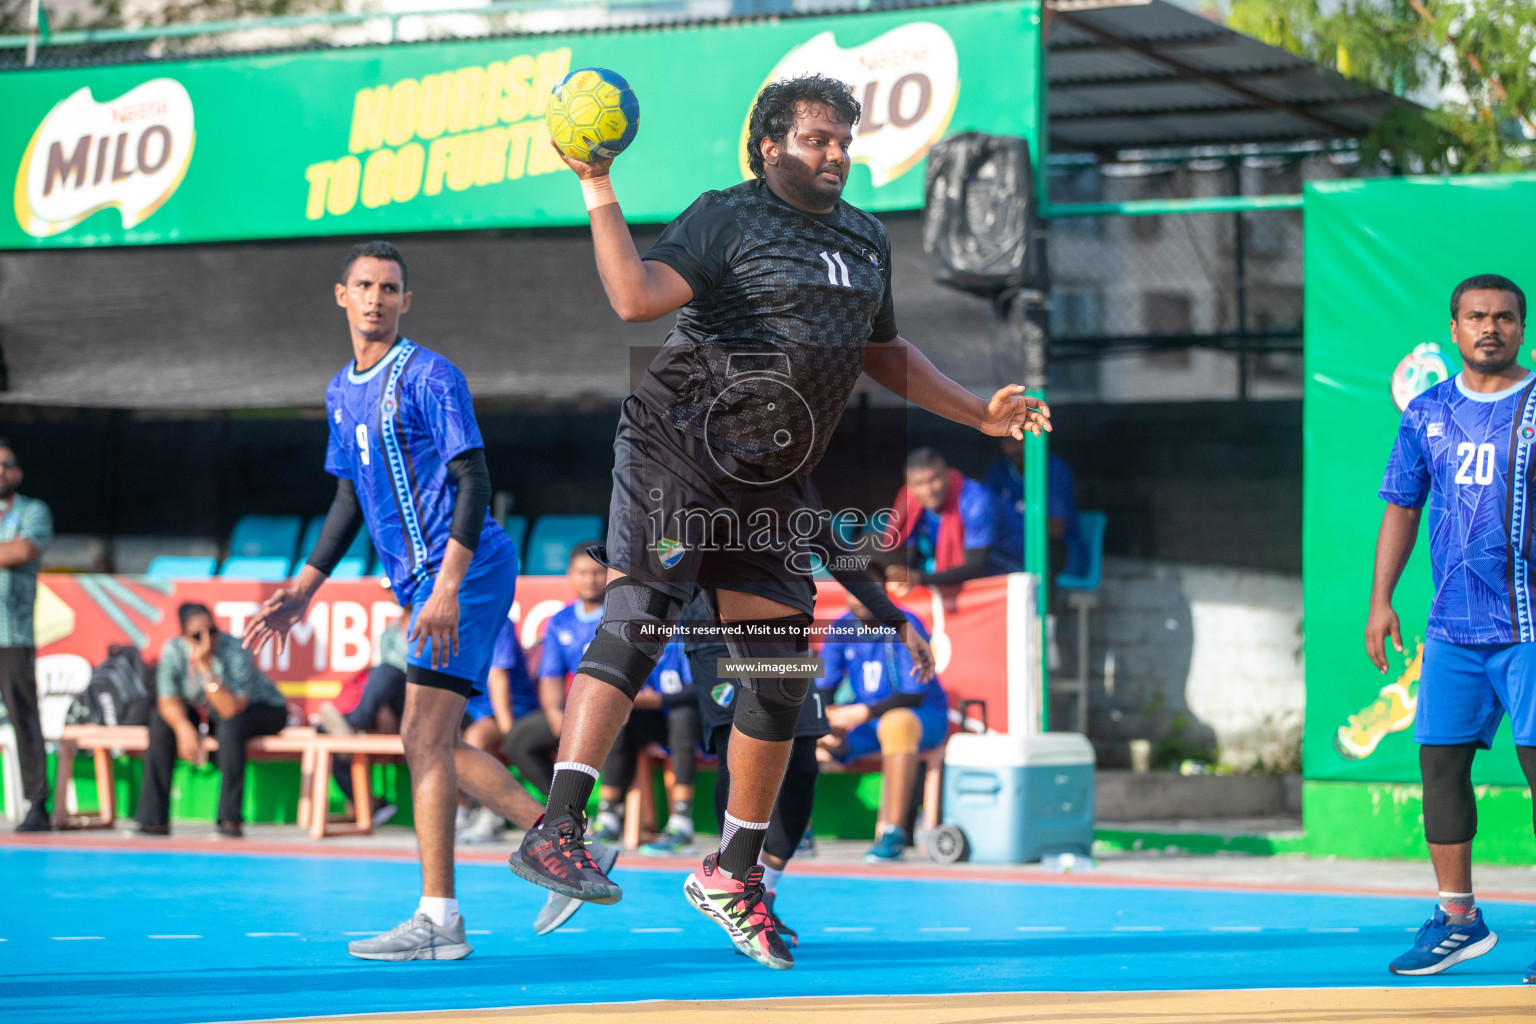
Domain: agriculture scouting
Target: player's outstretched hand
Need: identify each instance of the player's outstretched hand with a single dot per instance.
(1381, 624)
(584, 168)
(438, 623)
(922, 654)
(276, 616)
(1012, 412)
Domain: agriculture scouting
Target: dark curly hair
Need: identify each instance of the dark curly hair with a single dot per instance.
(378, 251)
(1487, 282)
(773, 115)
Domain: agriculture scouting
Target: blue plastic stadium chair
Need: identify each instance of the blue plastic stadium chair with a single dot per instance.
(548, 551)
(517, 529)
(1091, 525)
(182, 567)
(266, 537)
(267, 570)
(353, 564)
(349, 569)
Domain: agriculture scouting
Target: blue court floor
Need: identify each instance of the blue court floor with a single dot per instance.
(181, 937)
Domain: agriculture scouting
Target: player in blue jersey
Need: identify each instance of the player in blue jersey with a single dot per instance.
(410, 465)
(1465, 448)
(897, 711)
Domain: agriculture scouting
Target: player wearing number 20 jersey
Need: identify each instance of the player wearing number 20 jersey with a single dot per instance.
(1470, 457)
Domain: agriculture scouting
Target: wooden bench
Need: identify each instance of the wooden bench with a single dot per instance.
(313, 749)
(640, 817)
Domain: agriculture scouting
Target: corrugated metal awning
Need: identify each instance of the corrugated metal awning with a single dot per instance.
(1138, 73)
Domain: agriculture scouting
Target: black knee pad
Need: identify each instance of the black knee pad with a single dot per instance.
(1450, 806)
(769, 709)
(637, 621)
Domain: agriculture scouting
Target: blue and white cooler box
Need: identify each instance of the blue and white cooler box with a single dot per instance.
(1018, 798)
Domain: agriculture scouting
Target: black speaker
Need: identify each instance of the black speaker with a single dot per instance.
(979, 225)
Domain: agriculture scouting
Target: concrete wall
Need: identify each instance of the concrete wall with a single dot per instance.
(1195, 659)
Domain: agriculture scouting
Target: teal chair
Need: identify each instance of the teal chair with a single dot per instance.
(182, 567)
(549, 544)
(266, 570)
(517, 530)
(266, 537)
(1091, 525)
(353, 564)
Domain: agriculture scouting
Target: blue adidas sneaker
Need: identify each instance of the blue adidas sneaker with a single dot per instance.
(1440, 944)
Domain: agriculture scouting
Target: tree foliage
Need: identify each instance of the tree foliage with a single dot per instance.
(1475, 55)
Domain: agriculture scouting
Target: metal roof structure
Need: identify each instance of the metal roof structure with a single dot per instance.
(1141, 73)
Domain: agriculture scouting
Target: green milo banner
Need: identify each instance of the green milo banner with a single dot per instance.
(441, 136)
(1382, 258)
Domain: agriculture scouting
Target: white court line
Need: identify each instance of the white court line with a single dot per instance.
(1137, 928)
(571, 931)
(477, 931)
(379, 932)
(175, 936)
(1041, 928)
(271, 935)
(849, 928)
(1236, 928)
(960, 928)
(653, 931)
(1338, 931)
(78, 938)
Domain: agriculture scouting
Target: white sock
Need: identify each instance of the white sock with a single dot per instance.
(771, 877)
(680, 823)
(609, 820)
(441, 910)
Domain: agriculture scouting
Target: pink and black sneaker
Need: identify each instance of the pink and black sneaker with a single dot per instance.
(553, 854)
(742, 909)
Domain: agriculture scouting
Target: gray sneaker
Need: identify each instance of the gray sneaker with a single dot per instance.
(558, 909)
(416, 939)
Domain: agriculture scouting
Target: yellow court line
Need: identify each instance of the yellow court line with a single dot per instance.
(1513, 1004)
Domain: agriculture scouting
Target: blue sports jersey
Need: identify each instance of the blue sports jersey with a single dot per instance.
(572, 628)
(1470, 457)
(394, 428)
(988, 524)
(1006, 481)
(876, 668)
(509, 655)
(566, 636)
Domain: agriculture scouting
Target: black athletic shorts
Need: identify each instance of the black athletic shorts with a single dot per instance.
(717, 697)
(686, 515)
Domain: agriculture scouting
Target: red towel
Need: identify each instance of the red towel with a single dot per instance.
(949, 549)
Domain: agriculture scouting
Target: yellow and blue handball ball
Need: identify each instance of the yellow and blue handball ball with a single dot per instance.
(593, 114)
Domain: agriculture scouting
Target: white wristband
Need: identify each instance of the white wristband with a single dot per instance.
(598, 192)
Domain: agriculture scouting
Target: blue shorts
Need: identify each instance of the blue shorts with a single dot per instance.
(1466, 689)
(479, 706)
(485, 598)
(865, 740)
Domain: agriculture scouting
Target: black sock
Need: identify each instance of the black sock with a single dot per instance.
(570, 790)
(740, 845)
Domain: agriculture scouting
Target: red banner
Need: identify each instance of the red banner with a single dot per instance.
(80, 616)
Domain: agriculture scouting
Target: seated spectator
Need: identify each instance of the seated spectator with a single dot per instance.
(378, 710)
(666, 712)
(1006, 480)
(510, 695)
(947, 528)
(204, 672)
(534, 740)
(895, 713)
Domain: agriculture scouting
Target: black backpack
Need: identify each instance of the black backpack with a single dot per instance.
(117, 694)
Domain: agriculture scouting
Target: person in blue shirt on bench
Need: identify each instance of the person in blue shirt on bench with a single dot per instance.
(895, 713)
(1068, 552)
(947, 529)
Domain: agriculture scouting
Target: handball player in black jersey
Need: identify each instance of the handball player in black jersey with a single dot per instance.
(783, 297)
